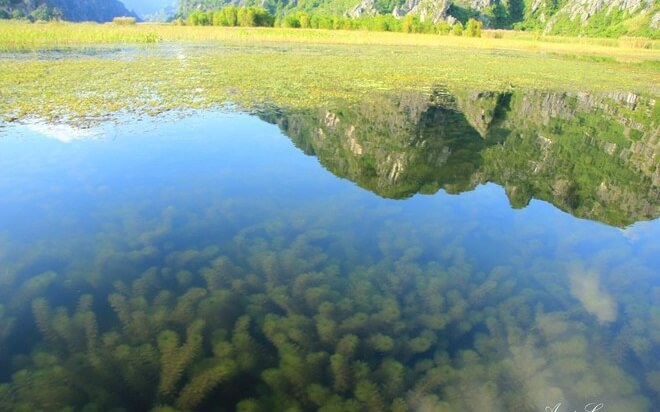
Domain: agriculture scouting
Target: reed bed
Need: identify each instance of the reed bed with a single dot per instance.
(24, 36)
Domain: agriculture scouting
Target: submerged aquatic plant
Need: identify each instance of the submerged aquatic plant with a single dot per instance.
(274, 311)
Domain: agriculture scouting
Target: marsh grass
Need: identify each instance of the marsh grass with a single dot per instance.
(21, 36)
(15, 36)
(124, 21)
(201, 67)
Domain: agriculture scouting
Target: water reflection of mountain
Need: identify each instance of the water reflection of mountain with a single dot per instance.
(593, 156)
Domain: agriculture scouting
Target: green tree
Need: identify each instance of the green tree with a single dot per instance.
(198, 18)
(473, 28)
(231, 15)
(442, 28)
(516, 10)
(304, 20)
(408, 24)
(246, 17)
(16, 14)
(457, 29)
(347, 24)
(42, 12)
(325, 22)
(291, 21)
(378, 24)
(337, 22)
(500, 15)
(218, 18)
(314, 22)
(263, 17)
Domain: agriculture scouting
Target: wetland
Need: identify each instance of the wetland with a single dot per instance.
(279, 222)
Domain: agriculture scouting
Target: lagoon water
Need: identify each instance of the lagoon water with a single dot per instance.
(438, 253)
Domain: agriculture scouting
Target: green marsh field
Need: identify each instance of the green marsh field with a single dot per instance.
(155, 68)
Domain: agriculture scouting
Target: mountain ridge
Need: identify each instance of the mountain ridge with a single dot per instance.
(71, 10)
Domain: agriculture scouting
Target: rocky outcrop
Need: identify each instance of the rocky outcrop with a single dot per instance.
(364, 8)
(583, 11)
(426, 10)
(655, 21)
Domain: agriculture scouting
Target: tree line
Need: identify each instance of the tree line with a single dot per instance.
(28, 10)
(234, 16)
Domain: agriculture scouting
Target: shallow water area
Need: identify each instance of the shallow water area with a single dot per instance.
(76, 52)
(173, 49)
(410, 256)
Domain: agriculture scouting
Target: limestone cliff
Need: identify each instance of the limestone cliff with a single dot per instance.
(590, 17)
(599, 15)
(426, 10)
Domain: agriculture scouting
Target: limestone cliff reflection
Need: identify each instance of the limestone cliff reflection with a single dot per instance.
(592, 156)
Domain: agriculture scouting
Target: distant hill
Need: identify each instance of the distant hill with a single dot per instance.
(72, 10)
(576, 17)
(153, 10)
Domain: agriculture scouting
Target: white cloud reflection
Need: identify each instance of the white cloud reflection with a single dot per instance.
(62, 132)
(586, 287)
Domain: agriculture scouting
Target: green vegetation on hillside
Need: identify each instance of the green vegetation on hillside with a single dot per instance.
(543, 15)
(20, 9)
(547, 16)
(72, 10)
(614, 23)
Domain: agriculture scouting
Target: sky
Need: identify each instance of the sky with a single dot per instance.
(147, 6)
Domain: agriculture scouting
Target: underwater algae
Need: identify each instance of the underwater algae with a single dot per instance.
(279, 317)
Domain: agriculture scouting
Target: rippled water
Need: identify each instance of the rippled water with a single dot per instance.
(476, 252)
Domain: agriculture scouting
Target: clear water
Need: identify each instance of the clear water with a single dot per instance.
(433, 254)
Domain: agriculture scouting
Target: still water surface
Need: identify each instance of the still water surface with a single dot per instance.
(429, 258)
